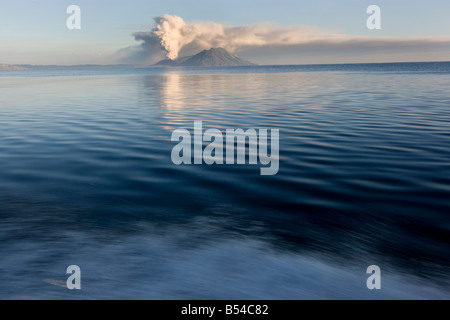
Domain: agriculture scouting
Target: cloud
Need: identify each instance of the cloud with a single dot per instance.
(147, 52)
(173, 37)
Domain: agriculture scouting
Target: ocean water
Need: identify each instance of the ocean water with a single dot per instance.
(364, 179)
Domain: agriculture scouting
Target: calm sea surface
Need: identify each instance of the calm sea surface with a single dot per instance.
(87, 179)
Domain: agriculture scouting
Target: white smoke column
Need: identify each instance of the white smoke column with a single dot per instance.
(169, 29)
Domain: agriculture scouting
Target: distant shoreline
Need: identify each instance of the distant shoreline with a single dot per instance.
(28, 67)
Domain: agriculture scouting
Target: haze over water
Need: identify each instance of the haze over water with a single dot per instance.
(364, 179)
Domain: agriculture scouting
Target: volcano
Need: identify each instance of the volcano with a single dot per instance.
(216, 57)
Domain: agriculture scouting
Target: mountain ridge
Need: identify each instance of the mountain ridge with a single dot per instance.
(215, 57)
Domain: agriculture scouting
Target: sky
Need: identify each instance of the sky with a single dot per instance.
(321, 31)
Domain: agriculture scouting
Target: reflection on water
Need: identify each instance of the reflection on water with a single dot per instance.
(87, 179)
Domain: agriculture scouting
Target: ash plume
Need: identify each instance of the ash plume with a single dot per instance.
(172, 37)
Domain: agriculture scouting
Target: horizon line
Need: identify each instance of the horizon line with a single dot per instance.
(169, 67)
